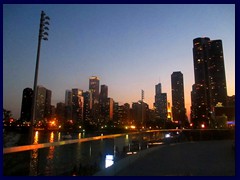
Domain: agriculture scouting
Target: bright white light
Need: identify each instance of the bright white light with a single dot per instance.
(108, 160)
(167, 135)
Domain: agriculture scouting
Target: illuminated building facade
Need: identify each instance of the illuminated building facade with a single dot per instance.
(169, 112)
(87, 107)
(77, 106)
(210, 81)
(94, 88)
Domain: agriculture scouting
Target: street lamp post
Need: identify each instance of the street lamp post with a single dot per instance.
(43, 28)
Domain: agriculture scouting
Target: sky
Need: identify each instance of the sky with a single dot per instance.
(130, 47)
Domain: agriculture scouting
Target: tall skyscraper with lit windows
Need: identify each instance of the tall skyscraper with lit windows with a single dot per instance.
(87, 107)
(77, 105)
(210, 81)
(94, 88)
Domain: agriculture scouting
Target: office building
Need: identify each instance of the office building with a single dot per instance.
(77, 106)
(178, 104)
(160, 103)
(26, 108)
(210, 81)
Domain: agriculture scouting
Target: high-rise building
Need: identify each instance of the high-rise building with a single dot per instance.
(110, 106)
(26, 109)
(43, 104)
(60, 112)
(178, 104)
(116, 113)
(160, 103)
(103, 100)
(77, 106)
(94, 88)
(68, 104)
(47, 113)
(40, 103)
(104, 92)
(126, 114)
(140, 113)
(87, 107)
(210, 82)
(68, 98)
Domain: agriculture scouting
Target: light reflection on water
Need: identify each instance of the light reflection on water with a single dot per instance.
(50, 156)
(61, 160)
(34, 157)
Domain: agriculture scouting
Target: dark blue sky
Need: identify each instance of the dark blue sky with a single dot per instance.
(129, 47)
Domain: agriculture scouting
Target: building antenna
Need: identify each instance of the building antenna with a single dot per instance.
(142, 95)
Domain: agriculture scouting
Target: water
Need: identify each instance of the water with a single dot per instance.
(84, 158)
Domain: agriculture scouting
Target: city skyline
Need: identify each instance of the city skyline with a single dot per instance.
(129, 47)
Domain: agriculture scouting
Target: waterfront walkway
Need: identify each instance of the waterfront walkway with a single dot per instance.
(200, 158)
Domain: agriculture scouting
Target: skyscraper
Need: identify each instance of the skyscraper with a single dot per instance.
(26, 104)
(68, 98)
(103, 100)
(178, 104)
(40, 103)
(60, 112)
(160, 103)
(104, 92)
(94, 88)
(140, 113)
(210, 82)
(87, 107)
(43, 104)
(77, 106)
(109, 107)
(47, 113)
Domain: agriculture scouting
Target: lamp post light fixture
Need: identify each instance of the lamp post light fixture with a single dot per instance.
(43, 35)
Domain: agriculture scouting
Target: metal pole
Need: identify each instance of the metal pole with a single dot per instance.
(33, 170)
(35, 83)
(41, 35)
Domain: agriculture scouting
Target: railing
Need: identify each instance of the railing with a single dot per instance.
(85, 156)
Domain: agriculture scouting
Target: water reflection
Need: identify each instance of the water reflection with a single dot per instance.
(59, 136)
(50, 156)
(34, 157)
(83, 158)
